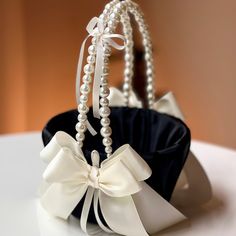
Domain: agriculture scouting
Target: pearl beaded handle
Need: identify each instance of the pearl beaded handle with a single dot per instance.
(109, 21)
(135, 10)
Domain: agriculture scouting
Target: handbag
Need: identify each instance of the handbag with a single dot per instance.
(130, 186)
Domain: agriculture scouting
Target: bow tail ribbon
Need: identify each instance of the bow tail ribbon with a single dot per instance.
(121, 215)
(97, 78)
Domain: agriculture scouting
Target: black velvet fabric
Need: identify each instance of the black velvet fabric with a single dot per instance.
(162, 140)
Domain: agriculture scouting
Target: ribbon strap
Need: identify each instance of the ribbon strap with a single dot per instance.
(95, 28)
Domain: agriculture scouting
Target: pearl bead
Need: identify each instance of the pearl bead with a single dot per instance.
(148, 49)
(111, 24)
(147, 56)
(82, 117)
(128, 57)
(149, 65)
(150, 88)
(114, 16)
(150, 105)
(142, 30)
(104, 91)
(108, 6)
(83, 108)
(104, 80)
(80, 136)
(126, 93)
(80, 127)
(126, 87)
(92, 49)
(88, 69)
(104, 102)
(149, 72)
(104, 111)
(91, 59)
(128, 72)
(84, 89)
(87, 78)
(106, 131)
(147, 43)
(105, 11)
(120, 6)
(128, 32)
(105, 121)
(108, 150)
(94, 40)
(150, 96)
(102, 17)
(107, 51)
(105, 70)
(149, 79)
(127, 79)
(128, 64)
(105, 60)
(107, 141)
(117, 10)
(83, 98)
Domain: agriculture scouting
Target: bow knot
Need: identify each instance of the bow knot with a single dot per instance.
(93, 178)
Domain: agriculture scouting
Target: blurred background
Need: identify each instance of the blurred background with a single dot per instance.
(194, 49)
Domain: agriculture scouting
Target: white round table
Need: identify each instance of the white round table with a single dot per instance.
(21, 214)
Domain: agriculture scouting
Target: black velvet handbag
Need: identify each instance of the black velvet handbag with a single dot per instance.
(161, 140)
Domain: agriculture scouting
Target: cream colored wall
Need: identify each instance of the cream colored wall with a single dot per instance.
(194, 44)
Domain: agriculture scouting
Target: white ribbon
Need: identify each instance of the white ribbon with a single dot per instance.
(117, 186)
(193, 174)
(96, 28)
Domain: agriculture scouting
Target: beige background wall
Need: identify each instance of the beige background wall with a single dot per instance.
(195, 54)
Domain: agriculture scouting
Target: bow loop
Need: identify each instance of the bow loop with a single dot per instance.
(66, 167)
(94, 26)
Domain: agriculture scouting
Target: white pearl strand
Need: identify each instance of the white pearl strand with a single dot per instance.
(129, 58)
(105, 111)
(83, 109)
(143, 28)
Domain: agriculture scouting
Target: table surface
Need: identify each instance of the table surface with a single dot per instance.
(21, 215)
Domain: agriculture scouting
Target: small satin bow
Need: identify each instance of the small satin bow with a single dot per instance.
(95, 28)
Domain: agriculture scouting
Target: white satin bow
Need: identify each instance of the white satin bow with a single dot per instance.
(128, 205)
(112, 185)
(193, 174)
(166, 104)
(96, 28)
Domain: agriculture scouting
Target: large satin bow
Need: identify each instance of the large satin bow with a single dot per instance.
(166, 104)
(128, 205)
(96, 28)
(112, 184)
(193, 174)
